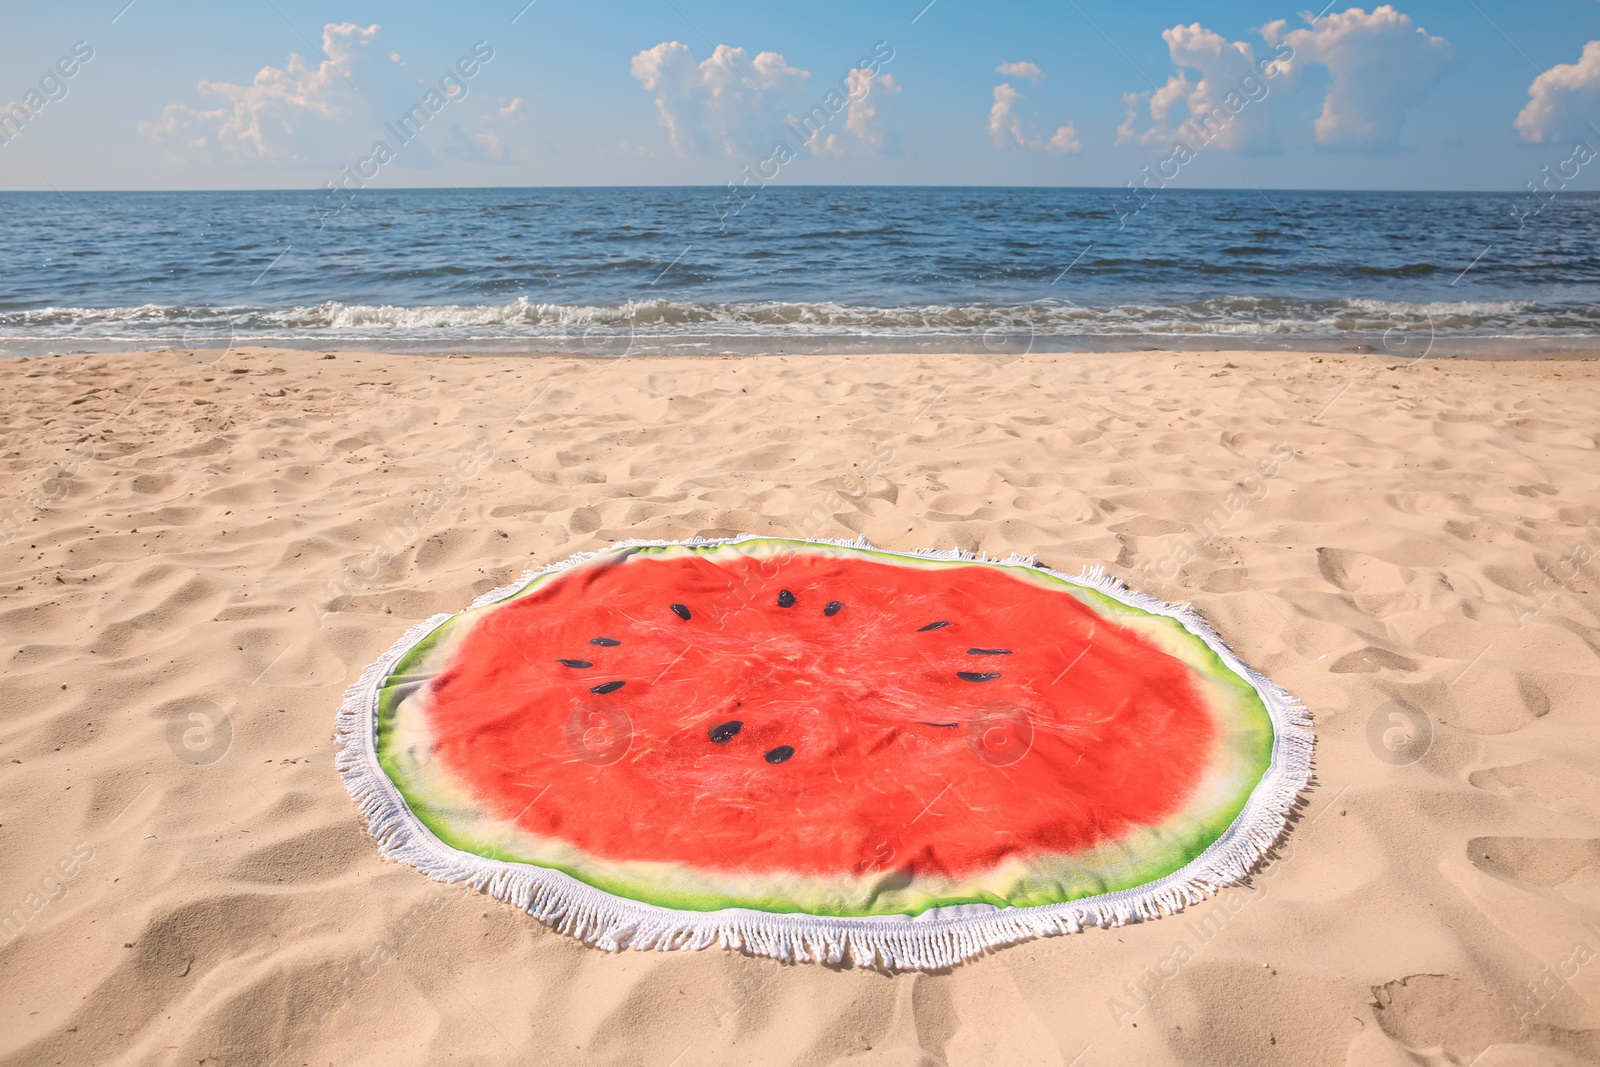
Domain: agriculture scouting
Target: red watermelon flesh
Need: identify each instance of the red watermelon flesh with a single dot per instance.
(819, 714)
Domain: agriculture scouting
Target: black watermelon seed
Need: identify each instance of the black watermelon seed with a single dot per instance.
(941, 725)
(605, 642)
(785, 599)
(680, 610)
(611, 687)
(724, 733)
(580, 664)
(833, 608)
(988, 652)
(933, 626)
(977, 676)
(779, 754)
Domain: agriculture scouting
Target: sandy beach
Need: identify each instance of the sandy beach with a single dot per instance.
(202, 550)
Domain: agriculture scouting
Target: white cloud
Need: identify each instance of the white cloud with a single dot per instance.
(1006, 128)
(1022, 69)
(183, 124)
(302, 111)
(512, 109)
(1562, 98)
(487, 138)
(1065, 139)
(254, 120)
(1004, 125)
(858, 97)
(862, 119)
(724, 104)
(1382, 65)
(1225, 108)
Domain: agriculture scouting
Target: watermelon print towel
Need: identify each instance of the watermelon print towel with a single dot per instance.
(819, 750)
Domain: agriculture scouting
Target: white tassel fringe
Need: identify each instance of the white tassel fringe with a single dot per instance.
(941, 937)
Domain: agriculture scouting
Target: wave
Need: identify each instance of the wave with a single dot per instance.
(1240, 316)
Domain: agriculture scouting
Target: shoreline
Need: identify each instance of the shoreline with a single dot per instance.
(236, 535)
(612, 348)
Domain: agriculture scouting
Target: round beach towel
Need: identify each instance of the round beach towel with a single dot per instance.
(820, 750)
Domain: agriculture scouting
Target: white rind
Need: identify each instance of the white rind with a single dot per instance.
(937, 938)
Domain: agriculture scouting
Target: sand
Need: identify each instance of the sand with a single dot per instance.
(199, 556)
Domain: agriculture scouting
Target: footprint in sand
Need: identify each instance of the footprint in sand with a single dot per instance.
(1546, 782)
(1541, 861)
(1437, 1011)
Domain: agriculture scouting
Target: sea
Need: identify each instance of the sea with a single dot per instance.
(663, 270)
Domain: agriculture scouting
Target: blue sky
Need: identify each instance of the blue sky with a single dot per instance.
(182, 94)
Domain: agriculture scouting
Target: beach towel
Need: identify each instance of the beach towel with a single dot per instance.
(817, 750)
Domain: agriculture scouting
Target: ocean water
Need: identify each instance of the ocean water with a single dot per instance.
(613, 270)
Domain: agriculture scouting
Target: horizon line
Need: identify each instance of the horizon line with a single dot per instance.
(813, 185)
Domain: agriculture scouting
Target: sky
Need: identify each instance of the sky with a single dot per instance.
(184, 94)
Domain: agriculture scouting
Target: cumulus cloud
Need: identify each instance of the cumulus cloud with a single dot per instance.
(1065, 139)
(486, 140)
(315, 111)
(1022, 69)
(1223, 108)
(1007, 128)
(1382, 65)
(865, 90)
(725, 104)
(1562, 99)
(255, 120)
